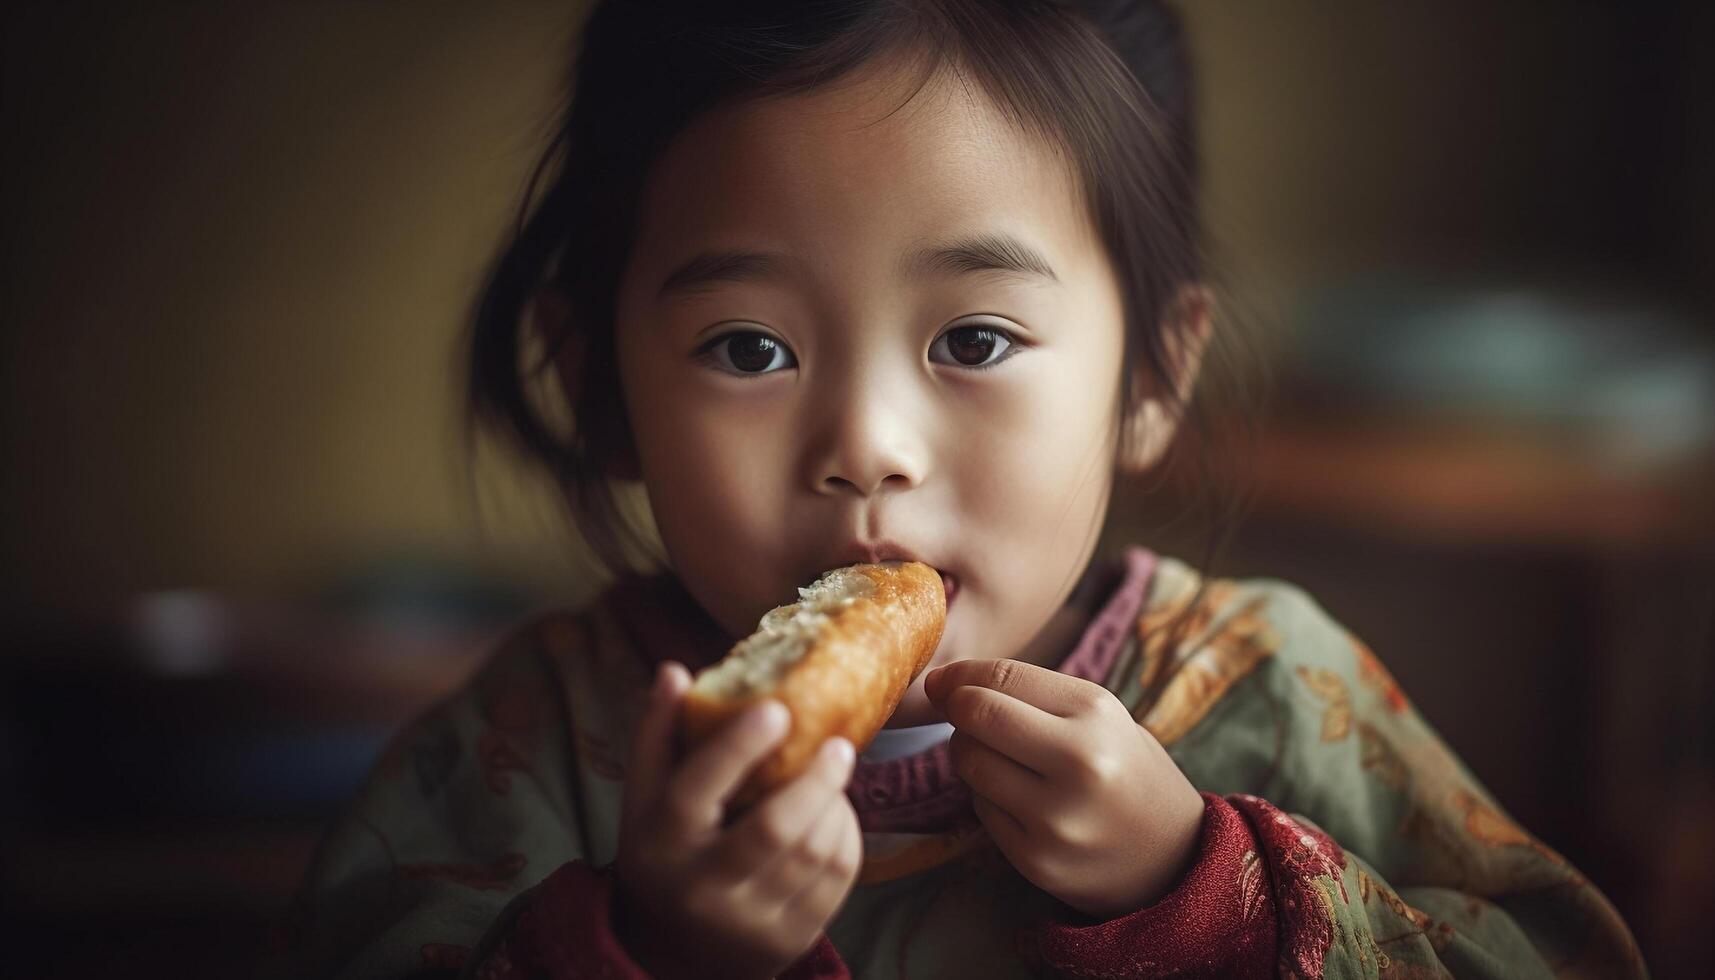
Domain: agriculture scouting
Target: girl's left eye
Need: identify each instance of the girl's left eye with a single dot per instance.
(748, 352)
(973, 347)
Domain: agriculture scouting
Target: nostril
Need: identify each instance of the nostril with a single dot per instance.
(863, 484)
(840, 483)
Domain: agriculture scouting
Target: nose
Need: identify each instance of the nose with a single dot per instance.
(870, 442)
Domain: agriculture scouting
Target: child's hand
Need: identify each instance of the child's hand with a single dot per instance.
(696, 898)
(1080, 798)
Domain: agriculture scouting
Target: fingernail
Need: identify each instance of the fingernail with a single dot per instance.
(841, 750)
(770, 716)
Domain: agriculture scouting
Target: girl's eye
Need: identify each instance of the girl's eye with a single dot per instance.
(973, 347)
(748, 352)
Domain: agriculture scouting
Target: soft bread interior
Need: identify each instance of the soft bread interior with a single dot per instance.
(783, 636)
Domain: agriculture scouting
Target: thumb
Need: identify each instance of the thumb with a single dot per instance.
(652, 746)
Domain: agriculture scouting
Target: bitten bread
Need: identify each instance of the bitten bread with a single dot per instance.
(840, 659)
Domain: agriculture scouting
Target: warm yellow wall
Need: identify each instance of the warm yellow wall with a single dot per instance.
(252, 237)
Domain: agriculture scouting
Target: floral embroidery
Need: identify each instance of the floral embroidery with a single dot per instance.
(443, 956)
(1374, 676)
(494, 876)
(502, 748)
(1308, 870)
(1327, 686)
(1377, 756)
(1416, 919)
(498, 966)
(1155, 626)
(498, 756)
(1252, 885)
(598, 752)
(1489, 825)
(1182, 684)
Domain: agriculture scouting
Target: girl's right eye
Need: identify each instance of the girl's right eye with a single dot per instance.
(748, 352)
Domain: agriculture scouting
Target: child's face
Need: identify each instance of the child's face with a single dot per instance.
(878, 417)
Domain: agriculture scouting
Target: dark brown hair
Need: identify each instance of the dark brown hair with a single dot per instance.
(1105, 82)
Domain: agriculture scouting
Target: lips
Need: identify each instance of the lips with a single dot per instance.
(951, 584)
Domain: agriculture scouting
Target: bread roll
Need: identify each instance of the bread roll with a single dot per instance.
(840, 659)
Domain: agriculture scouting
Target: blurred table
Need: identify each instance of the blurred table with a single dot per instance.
(1490, 484)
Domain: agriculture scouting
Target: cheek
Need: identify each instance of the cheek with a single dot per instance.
(706, 482)
(715, 480)
(1034, 485)
(1041, 452)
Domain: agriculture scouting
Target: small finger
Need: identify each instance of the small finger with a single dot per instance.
(652, 747)
(796, 868)
(1051, 691)
(1033, 738)
(713, 771)
(821, 898)
(766, 834)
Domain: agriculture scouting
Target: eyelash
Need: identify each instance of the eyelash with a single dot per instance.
(1012, 344)
(710, 351)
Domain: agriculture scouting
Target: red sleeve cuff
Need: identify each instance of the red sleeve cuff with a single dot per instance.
(822, 962)
(1219, 921)
(566, 931)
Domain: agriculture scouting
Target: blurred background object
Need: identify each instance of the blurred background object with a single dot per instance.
(1474, 242)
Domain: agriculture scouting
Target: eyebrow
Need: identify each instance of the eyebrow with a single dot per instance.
(986, 252)
(709, 268)
(982, 253)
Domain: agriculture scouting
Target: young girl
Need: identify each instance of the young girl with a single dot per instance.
(872, 279)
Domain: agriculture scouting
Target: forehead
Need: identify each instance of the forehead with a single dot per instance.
(851, 174)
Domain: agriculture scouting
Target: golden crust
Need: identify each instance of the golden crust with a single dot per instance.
(848, 681)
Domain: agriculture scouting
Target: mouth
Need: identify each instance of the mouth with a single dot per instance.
(949, 581)
(886, 551)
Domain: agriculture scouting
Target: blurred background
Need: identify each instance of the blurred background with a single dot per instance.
(1472, 243)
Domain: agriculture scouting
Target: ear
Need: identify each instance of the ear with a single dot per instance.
(551, 318)
(1150, 422)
